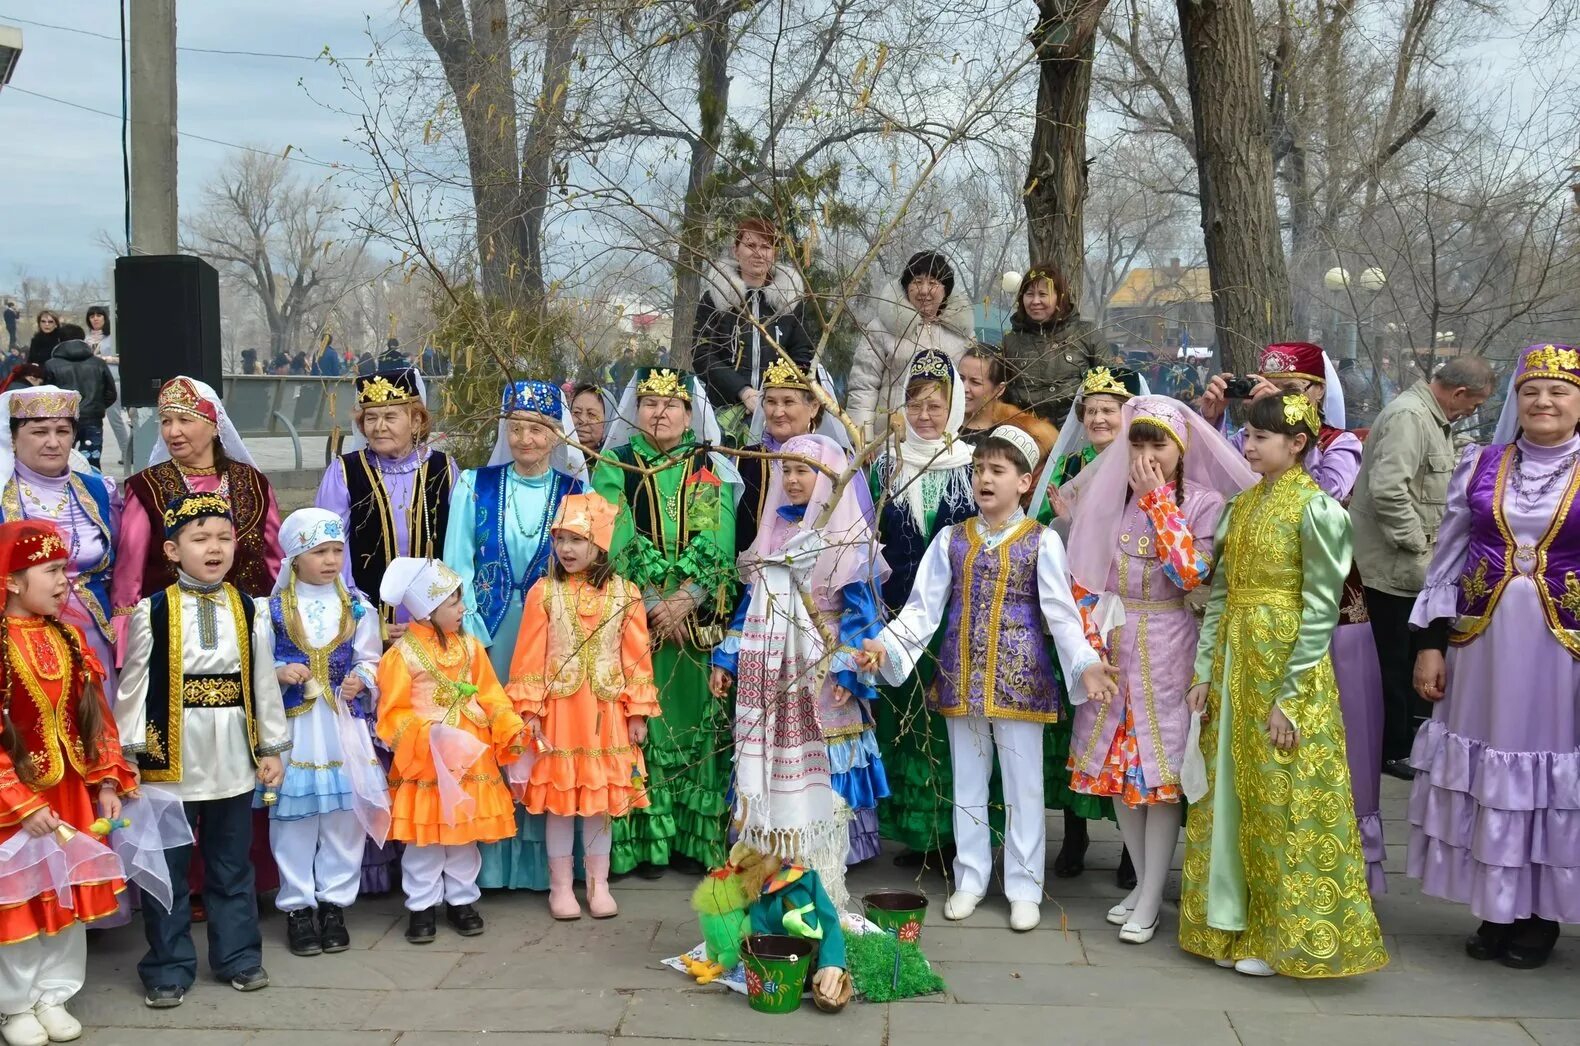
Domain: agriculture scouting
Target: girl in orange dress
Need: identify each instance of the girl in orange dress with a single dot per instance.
(582, 677)
(51, 771)
(447, 720)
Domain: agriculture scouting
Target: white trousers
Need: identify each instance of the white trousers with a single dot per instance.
(972, 740)
(320, 860)
(46, 970)
(430, 874)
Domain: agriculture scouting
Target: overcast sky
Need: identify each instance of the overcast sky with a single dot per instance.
(60, 177)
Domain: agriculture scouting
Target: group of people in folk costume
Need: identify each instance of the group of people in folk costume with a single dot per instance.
(542, 671)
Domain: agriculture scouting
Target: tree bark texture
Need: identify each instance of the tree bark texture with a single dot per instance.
(1239, 219)
(1065, 39)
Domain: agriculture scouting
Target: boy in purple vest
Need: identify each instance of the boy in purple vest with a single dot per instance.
(999, 585)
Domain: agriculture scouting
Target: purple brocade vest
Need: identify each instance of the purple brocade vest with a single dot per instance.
(1493, 559)
(996, 659)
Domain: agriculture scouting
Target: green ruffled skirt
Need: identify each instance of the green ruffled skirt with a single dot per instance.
(688, 755)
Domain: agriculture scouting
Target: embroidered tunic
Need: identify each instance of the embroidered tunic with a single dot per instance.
(1273, 863)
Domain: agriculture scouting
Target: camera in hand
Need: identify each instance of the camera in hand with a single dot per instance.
(1238, 388)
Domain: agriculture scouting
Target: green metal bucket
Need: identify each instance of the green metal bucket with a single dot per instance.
(776, 971)
(899, 912)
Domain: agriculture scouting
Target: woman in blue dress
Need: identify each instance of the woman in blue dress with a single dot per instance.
(497, 540)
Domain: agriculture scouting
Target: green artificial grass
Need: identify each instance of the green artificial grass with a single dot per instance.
(870, 957)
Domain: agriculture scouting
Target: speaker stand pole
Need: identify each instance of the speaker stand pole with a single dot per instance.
(152, 72)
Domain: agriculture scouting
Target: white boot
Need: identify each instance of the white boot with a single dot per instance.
(60, 1025)
(23, 1029)
(960, 905)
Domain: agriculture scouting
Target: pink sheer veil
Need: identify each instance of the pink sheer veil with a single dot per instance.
(850, 548)
(1101, 493)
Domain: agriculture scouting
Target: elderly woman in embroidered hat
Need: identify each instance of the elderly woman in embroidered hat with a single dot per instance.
(198, 451)
(1495, 809)
(676, 541)
(38, 482)
(497, 540)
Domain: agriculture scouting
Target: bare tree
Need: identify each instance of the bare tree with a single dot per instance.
(279, 235)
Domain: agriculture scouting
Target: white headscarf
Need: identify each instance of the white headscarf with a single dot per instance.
(1072, 440)
(8, 445)
(704, 426)
(304, 530)
(918, 455)
(563, 458)
(419, 585)
(229, 438)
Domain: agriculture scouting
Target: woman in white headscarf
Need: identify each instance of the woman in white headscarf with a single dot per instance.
(497, 540)
(920, 487)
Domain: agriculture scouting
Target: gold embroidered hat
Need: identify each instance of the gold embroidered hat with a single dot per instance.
(29, 543)
(587, 515)
(1117, 381)
(188, 508)
(1550, 363)
(1292, 359)
(663, 381)
(782, 374)
(389, 388)
(419, 585)
(44, 401)
(181, 395)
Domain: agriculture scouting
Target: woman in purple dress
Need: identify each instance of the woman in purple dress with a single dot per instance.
(1495, 808)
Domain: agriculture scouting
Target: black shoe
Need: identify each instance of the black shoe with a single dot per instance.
(1071, 860)
(1399, 768)
(164, 997)
(249, 980)
(423, 926)
(301, 933)
(1125, 874)
(464, 918)
(1532, 944)
(649, 870)
(687, 865)
(1489, 941)
(332, 928)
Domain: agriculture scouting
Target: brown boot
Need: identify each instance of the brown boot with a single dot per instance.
(600, 902)
(562, 899)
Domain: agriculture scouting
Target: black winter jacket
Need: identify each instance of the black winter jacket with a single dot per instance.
(74, 366)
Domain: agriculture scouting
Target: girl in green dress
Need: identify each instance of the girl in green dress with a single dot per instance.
(675, 540)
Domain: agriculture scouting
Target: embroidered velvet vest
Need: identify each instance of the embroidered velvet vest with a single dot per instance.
(373, 542)
(497, 579)
(156, 486)
(288, 651)
(996, 659)
(1493, 559)
(161, 759)
(43, 710)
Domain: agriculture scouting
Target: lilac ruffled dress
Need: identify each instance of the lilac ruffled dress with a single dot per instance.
(1495, 808)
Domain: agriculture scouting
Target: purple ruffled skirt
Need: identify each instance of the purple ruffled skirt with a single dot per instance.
(1495, 809)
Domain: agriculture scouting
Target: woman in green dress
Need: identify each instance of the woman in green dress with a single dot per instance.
(1093, 423)
(675, 540)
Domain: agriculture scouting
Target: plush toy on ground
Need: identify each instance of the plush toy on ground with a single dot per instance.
(756, 893)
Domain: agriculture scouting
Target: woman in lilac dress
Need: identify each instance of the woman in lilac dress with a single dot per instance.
(1495, 808)
(393, 495)
(1303, 368)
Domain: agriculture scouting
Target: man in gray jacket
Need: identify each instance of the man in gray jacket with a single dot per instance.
(1396, 509)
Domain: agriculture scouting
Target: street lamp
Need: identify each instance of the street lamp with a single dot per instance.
(1373, 280)
(1010, 283)
(10, 51)
(1336, 279)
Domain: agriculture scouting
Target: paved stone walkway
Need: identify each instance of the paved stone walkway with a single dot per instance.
(530, 980)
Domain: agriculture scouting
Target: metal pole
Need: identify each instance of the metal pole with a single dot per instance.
(152, 73)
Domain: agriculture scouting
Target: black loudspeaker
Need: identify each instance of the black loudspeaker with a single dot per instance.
(166, 323)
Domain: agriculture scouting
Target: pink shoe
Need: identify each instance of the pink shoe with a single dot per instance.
(600, 902)
(562, 899)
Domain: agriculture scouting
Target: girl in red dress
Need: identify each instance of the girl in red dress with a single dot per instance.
(54, 770)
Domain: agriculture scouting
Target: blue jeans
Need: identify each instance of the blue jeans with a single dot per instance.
(224, 831)
(90, 440)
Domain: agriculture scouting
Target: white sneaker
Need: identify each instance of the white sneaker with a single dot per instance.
(23, 1029)
(58, 1024)
(1024, 916)
(960, 905)
(1224, 964)
(1253, 968)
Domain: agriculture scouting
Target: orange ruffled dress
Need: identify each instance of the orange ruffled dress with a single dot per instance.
(418, 688)
(583, 664)
(45, 715)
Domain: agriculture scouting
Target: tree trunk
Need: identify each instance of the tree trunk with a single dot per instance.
(1055, 195)
(713, 101)
(1250, 285)
(542, 140)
